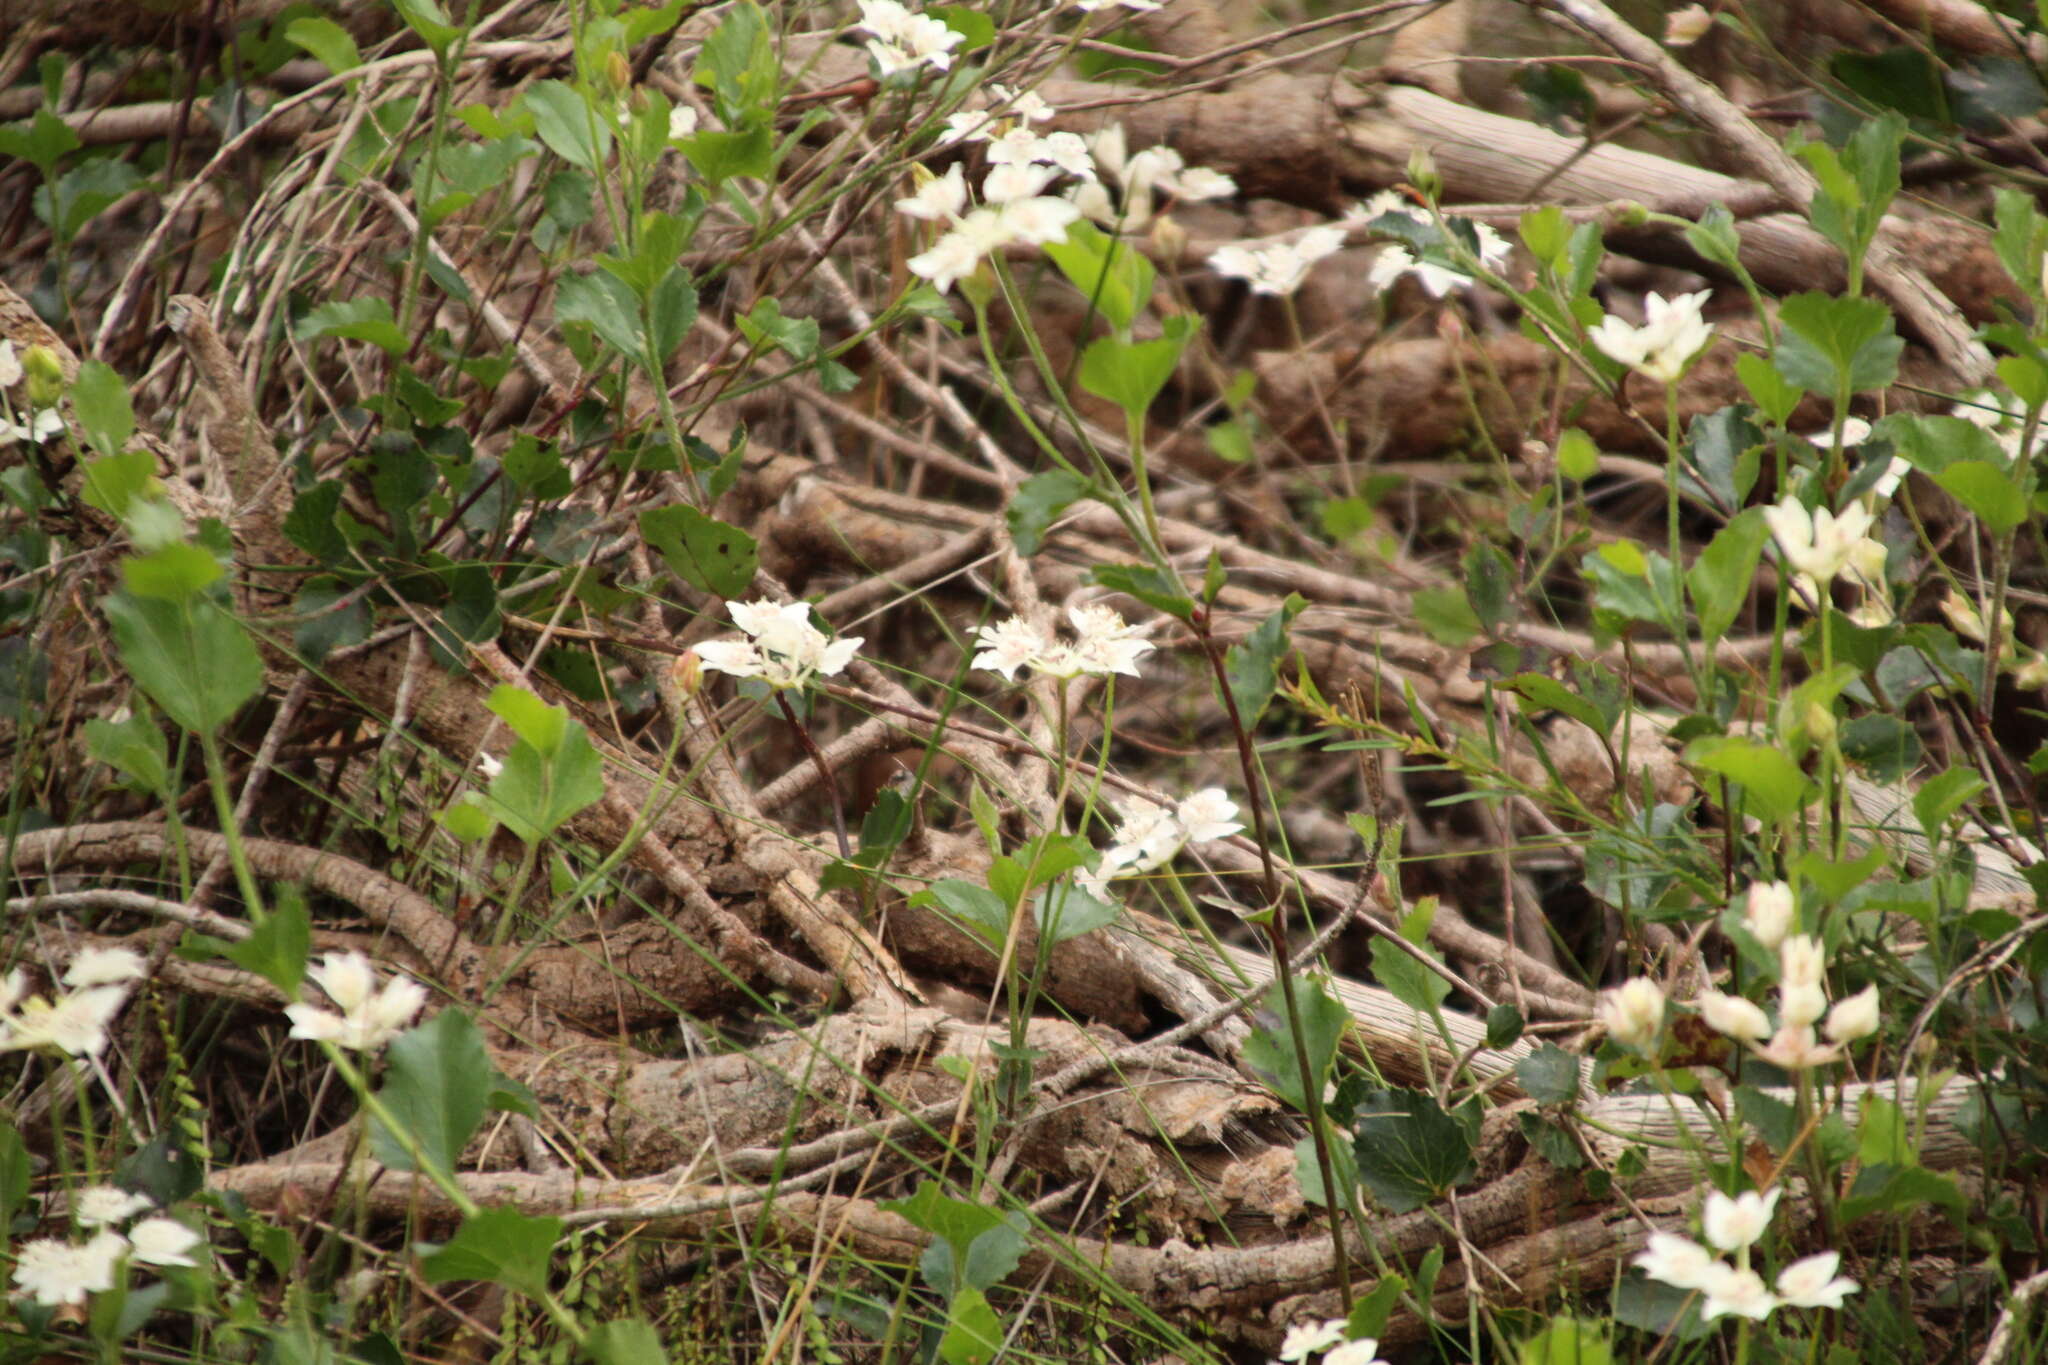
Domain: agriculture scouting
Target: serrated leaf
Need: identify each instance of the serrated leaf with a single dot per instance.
(436, 1083)
(1410, 1150)
(500, 1245)
(708, 554)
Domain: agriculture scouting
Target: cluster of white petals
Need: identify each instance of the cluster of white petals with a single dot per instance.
(783, 649)
(1138, 6)
(1102, 644)
(1684, 27)
(55, 1272)
(1149, 835)
(370, 1017)
(904, 41)
(1673, 332)
(1276, 268)
(1821, 545)
(1734, 1226)
(1633, 1013)
(97, 1205)
(1139, 176)
(1326, 1339)
(1796, 1044)
(1015, 207)
(1438, 277)
(75, 1022)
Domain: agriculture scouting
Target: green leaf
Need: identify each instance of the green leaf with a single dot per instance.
(193, 659)
(1446, 613)
(1837, 344)
(2018, 237)
(1883, 745)
(1409, 1150)
(500, 1245)
(1932, 444)
(15, 1166)
(45, 140)
(1997, 497)
(536, 794)
(1716, 238)
(766, 325)
(1549, 1075)
(114, 482)
(1131, 373)
(608, 305)
(1774, 396)
(1772, 784)
(1406, 979)
(708, 554)
(1489, 584)
(1038, 503)
(1902, 1189)
(720, 156)
(78, 196)
(99, 398)
(975, 28)
(973, 1331)
(533, 720)
(276, 949)
(1720, 576)
(1545, 693)
(430, 21)
(1989, 93)
(1149, 585)
(977, 907)
(566, 122)
(672, 311)
(328, 43)
(314, 524)
(1370, 1312)
(1253, 664)
(625, 1341)
(1114, 276)
(178, 572)
(1270, 1053)
(1558, 96)
(739, 66)
(1942, 796)
(1722, 449)
(354, 320)
(1567, 1341)
(1066, 911)
(135, 748)
(1504, 1025)
(436, 1084)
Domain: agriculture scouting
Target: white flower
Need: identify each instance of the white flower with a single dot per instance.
(10, 365)
(1010, 645)
(939, 197)
(1384, 203)
(1633, 1013)
(1812, 1282)
(786, 649)
(1277, 268)
(1801, 961)
(1306, 1338)
(968, 125)
(904, 41)
(1677, 1261)
(1038, 220)
(1966, 620)
(1988, 409)
(1364, 1351)
(1735, 1017)
(1208, 814)
(1770, 913)
(13, 986)
(1148, 836)
(490, 767)
(1740, 1292)
(1797, 1048)
(1195, 184)
(1732, 1224)
(1801, 1004)
(955, 255)
(1672, 334)
(1103, 643)
(104, 967)
(101, 1204)
(1888, 482)
(46, 423)
(1142, 6)
(76, 1024)
(1855, 431)
(1395, 261)
(369, 1017)
(1684, 27)
(1069, 152)
(55, 1272)
(682, 121)
(1818, 544)
(1014, 180)
(1024, 104)
(163, 1241)
(1853, 1017)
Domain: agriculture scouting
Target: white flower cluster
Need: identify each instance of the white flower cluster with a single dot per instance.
(1140, 6)
(1140, 176)
(1673, 332)
(76, 1021)
(1103, 644)
(2028, 666)
(369, 1017)
(53, 1271)
(1733, 1226)
(1327, 1340)
(1634, 1012)
(904, 41)
(785, 650)
(2001, 414)
(1439, 277)
(1150, 835)
(1276, 267)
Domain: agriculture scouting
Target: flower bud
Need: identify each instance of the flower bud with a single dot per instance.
(1801, 960)
(1853, 1018)
(1801, 1005)
(1633, 1013)
(1734, 1017)
(687, 673)
(1770, 913)
(45, 376)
